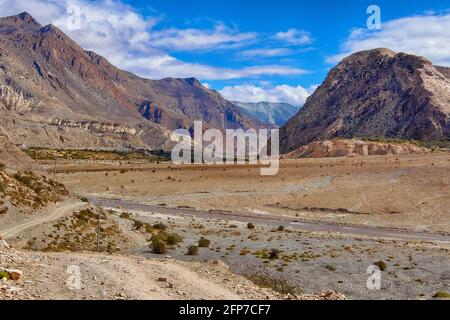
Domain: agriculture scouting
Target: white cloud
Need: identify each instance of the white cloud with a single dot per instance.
(275, 52)
(295, 95)
(119, 33)
(295, 37)
(426, 36)
(195, 39)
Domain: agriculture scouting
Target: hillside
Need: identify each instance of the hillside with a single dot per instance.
(376, 93)
(55, 94)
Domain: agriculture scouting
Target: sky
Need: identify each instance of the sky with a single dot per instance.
(248, 50)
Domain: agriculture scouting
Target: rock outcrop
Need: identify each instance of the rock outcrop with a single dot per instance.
(353, 148)
(376, 93)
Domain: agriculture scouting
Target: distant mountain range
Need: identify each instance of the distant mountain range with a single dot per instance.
(376, 93)
(268, 112)
(55, 94)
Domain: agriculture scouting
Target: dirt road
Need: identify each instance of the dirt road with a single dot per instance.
(61, 210)
(275, 221)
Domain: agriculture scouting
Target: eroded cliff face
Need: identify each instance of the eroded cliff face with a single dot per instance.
(353, 148)
(376, 93)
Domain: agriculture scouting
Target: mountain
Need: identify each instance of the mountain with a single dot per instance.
(375, 93)
(55, 94)
(268, 112)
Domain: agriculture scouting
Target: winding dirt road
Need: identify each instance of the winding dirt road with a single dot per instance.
(295, 223)
(61, 210)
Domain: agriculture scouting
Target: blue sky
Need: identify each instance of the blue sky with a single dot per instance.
(250, 49)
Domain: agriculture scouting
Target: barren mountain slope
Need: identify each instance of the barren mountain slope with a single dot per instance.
(53, 93)
(376, 93)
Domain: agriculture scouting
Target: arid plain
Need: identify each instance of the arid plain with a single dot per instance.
(411, 192)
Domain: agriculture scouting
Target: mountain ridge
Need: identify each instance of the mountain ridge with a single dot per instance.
(47, 80)
(270, 113)
(375, 93)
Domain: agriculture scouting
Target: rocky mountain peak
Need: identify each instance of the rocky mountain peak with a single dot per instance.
(375, 93)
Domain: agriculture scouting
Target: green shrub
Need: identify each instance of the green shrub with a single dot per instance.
(192, 251)
(329, 267)
(158, 246)
(173, 239)
(274, 254)
(160, 226)
(204, 243)
(381, 265)
(138, 224)
(125, 215)
(4, 275)
(442, 295)
(278, 285)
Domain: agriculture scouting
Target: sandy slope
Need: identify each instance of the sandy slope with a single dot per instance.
(122, 277)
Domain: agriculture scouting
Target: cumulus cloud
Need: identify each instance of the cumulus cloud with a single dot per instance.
(294, 95)
(131, 41)
(426, 35)
(295, 37)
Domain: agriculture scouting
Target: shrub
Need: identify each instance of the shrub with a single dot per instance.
(4, 210)
(84, 199)
(329, 267)
(204, 243)
(158, 246)
(442, 295)
(2, 167)
(274, 254)
(250, 225)
(4, 275)
(160, 226)
(278, 285)
(125, 215)
(138, 224)
(2, 187)
(173, 239)
(381, 265)
(192, 251)
(280, 228)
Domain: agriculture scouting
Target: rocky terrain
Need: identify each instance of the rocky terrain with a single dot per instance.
(353, 148)
(269, 113)
(375, 93)
(55, 94)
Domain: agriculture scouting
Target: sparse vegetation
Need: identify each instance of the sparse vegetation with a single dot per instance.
(4, 275)
(192, 251)
(204, 243)
(381, 265)
(442, 295)
(277, 285)
(160, 226)
(250, 225)
(158, 246)
(274, 254)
